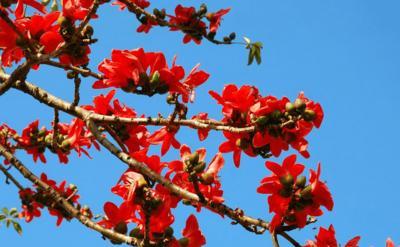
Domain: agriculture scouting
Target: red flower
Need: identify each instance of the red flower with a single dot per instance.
(389, 243)
(326, 238)
(30, 208)
(186, 17)
(166, 137)
(5, 134)
(236, 100)
(208, 181)
(202, 133)
(237, 143)
(291, 200)
(215, 19)
(8, 43)
(116, 215)
(20, 10)
(192, 233)
(319, 190)
(148, 73)
(30, 138)
(127, 185)
(76, 9)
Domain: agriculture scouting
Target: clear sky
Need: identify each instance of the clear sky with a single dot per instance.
(343, 54)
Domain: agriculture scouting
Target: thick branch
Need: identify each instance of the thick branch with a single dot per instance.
(61, 201)
(54, 102)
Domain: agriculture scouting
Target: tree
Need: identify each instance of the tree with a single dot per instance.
(252, 124)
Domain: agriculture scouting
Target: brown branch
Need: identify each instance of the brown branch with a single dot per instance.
(89, 15)
(62, 202)
(132, 7)
(274, 237)
(55, 102)
(83, 72)
(18, 74)
(290, 239)
(55, 128)
(77, 84)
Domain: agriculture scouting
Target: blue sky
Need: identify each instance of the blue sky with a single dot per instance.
(343, 54)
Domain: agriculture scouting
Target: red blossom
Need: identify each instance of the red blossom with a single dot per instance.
(186, 17)
(291, 200)
(192, 233)
(20, 8)
(116, 215)
(148, 73)
(166, 137)
(215, 19)
(8, 43)
(326, 238)
(202, 133)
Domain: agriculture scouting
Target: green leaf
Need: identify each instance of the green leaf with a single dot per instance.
(8, 222)
(14, 212)
(2, 217)
(251, 57)
(5, 211)
(17, 227)
(255, 52)
(247, 40)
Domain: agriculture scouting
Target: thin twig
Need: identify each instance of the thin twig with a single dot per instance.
(11, 178)
(55, 128)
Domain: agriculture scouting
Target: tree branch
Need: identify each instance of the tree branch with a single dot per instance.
(61, 201)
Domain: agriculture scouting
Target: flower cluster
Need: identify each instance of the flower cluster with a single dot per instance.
(6, 135)
(148, 73)
(189, 20)
(133, 136)
(150, 209)
(34, 200)
(192, 173)
(50, 32)
(279, 123)
(73, 136)
(290, 198)
(326, 238)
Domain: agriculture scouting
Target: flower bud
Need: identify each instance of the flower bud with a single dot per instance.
(207, 178)
(141, 182)
(169, 232)
(287, 180)
(301, 181)
(276, 114)
(306, 193)
(200, 167)
(232, 36)
(194, 158)
(300, 105)
(136, 233)
(155, 78)
(261, 121)
(290, 107)
(285, 192)
(65, 144)
(242, 143)
(183, 242)
(171, 99)
(72, 187)
(202, 10)
(71, 74)
(309, 115)
(121, 227)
